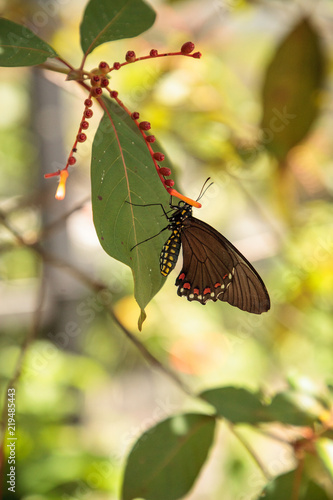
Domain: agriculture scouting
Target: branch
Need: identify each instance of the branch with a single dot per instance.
(97, 287)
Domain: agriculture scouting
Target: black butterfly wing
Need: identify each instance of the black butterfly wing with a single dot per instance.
(213, 269)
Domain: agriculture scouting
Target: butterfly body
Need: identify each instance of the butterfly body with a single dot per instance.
(213, 269)
(171, 248)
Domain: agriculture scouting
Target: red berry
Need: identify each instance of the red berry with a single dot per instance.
(144, 125)
(88, 103)
(116, 65)
(71, 160)
(150, 138)
(104, 67)
(158, 156)
(113, 94)
(104, 82)
(197, 55)
(169, 182)
(165, 171)
(187, 48)
(81, 137)
(135, 115)
(130, 56)
(95, 81)
(153, 53)
(84, 125)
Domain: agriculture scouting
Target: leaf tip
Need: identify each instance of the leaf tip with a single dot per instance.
(141, 319)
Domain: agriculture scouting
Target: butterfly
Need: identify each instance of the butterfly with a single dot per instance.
(213, 268)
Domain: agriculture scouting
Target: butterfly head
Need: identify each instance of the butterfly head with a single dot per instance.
(181, 211)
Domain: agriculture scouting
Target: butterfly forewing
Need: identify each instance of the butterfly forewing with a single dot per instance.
(213, 269)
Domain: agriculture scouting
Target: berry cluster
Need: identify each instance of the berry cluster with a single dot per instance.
(99, 81)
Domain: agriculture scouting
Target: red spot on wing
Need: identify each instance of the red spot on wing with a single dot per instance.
(181, 276)
(187, 285)
(196, 291)
(206, 290)
(225, 276)
(217, 285)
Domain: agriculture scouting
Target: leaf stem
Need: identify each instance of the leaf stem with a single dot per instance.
(253, 454)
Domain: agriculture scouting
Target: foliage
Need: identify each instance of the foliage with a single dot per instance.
(262, 381)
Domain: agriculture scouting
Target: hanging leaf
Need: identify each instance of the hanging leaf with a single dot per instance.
(166, 460)
(122, 171)
(241, 406)
(19, 46)
(237, 405)
(284, 487)
(291, 89)
(108, 20)
(287, 407)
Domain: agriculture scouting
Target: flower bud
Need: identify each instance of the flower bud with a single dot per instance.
(81, 137)
(104, 82)
(144, 125)
(104, 67)
(130, 56)
(150, 138)
(165, 171)
(95, 81)
(187, 48)
(71, 160)
(97, 91)
(158, 156)
(88, 113)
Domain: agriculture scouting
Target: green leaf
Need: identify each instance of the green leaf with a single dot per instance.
(241, 406)
(19, 46)
(237, 405)
(166, 460)
(108, 20)
(122, 170)
(283, 487)
(291, 89)
(324, 448)
(288, 408)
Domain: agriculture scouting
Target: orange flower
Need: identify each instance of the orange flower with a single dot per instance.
(61, 191)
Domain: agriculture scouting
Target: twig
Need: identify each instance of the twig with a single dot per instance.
(50, 227)
(96, 286)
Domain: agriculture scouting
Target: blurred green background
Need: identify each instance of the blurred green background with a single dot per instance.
(85, 394)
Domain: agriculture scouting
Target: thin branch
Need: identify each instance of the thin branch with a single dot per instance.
(46, 230)
(96, 286)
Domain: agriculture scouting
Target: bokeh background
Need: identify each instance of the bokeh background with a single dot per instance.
(84, 393)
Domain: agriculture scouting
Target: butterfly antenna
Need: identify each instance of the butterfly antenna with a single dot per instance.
(204, 188)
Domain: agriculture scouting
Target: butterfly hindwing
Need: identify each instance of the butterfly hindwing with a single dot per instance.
(213, 269)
